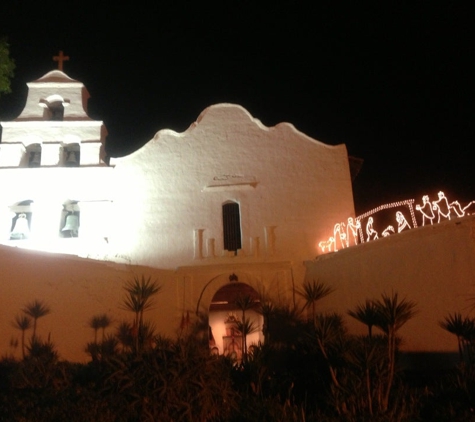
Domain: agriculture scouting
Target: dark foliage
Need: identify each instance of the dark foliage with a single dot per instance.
(309, 369)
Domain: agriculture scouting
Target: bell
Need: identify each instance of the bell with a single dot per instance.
(71, 160)
(71, 226)
(35, 160)
(21, 229)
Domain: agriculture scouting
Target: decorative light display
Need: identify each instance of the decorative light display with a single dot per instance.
(352, 233)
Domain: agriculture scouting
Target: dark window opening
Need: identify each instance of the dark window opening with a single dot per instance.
(56, 111)
(34, 155)
(72, 155)
(231, 227)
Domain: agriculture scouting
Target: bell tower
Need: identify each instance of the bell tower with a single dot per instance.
(53, 130)
(56, 188)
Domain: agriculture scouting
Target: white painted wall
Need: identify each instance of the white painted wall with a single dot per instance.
(159, 208)
(433, 266)
(289, 187)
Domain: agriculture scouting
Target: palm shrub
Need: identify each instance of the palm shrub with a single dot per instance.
(245, 326)
(389, 314)
(312, 292)
(367, 314)
(393, 313)
(286, 377)
(22, 323)
(138, 299)
(36, 309)
(175, 381)
(458, 394)
(464, 330)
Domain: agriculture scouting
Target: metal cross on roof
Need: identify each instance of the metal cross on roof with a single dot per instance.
(60, 58)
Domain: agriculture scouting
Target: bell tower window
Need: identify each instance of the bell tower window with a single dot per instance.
(71, 155)
(231, 226)
(70, 220)
(21, 221)
(56, 111)
(34, 155)
(53, 107)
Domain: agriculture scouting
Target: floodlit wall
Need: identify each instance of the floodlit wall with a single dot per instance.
(50, 189)
(76, 289)
(169, 194)
(433, 266)
(157, 212)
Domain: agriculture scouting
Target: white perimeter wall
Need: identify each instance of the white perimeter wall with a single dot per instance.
(432, 265)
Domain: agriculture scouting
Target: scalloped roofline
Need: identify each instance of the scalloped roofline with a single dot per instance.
(209, 110)
(255, 120)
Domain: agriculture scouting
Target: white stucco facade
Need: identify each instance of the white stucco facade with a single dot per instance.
(170, 193)
(159, 208)
(227, 200)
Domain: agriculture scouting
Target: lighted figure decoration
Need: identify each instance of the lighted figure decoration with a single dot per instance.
(388, 231)
(401, 222)
(441, 207)
(344, 234)
(457, 208)
(352, 229)
(326, 244)
(370, 231)
(426, 210)
(339, 235)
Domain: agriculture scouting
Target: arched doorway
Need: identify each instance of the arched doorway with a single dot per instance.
(232, 313)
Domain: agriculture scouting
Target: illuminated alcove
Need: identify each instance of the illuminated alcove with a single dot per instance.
(225, 315)
(70, 220)
(21, 218)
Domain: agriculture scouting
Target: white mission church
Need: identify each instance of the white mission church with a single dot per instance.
(227, 204)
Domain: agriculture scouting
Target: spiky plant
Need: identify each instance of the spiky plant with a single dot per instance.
(36, 309)
(124, 336)
(244, 303)
(367, 314)
(328, 331)
(266, 309)
(138, 299)
(22, 323)
(104, 322)
(245, 327)
(95, 324)
(464, 329)
(312, 292)
(393, 313)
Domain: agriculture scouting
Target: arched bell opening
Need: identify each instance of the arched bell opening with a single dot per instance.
(53, 107)
(70, 221)
(33, 153)
(22, 214)
(234, 320)
(71, 155)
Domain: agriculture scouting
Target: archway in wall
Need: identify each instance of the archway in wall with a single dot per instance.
(226, 316)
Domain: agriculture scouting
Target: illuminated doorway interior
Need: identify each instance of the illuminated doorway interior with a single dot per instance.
(226, 318)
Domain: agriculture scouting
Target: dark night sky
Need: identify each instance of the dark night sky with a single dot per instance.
(395, 84)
